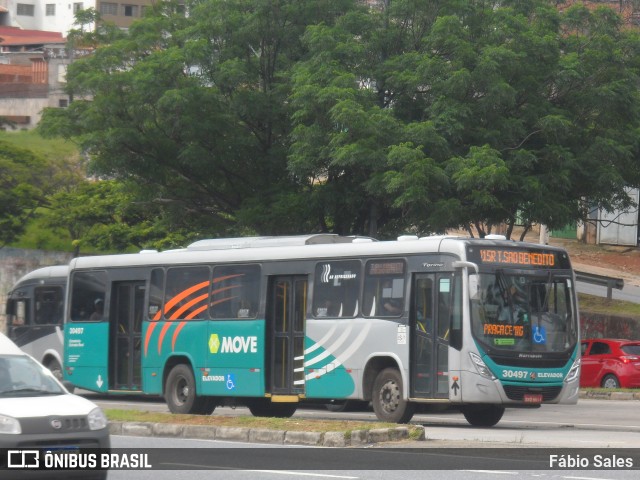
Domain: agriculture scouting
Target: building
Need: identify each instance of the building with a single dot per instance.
(59, 16)
(33, 57)
(33, 66)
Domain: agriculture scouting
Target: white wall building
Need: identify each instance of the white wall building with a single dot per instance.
(48, 15)
(58, 16)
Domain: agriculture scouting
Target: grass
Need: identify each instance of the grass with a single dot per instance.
(53, 149)
(245, 421)
(601, 305)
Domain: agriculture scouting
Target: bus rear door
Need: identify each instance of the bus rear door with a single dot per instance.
(125, 324)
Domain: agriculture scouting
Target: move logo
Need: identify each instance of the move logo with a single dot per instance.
(235, 344)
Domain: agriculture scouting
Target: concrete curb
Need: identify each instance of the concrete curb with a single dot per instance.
(610, 395)
(354, 438)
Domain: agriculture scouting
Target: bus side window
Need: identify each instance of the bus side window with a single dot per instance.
(423, 305)
(155, 294)
(186, 293)
(49, 304)
(444, 308)
(235, 292)
(86, 288)
(336, 288)
(384, 288)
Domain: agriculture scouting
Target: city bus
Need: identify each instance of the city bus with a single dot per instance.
(35, 315)
(271, 322)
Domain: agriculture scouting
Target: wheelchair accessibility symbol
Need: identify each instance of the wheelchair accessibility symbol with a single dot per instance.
(539, 335)
(231, 381)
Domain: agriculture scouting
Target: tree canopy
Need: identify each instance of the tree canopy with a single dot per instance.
(332, 115)
(23, 188)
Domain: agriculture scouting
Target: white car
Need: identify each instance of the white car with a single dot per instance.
(37, 413)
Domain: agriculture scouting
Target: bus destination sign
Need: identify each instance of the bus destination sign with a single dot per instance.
(510, 257)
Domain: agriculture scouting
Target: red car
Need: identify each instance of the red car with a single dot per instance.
(610, 363)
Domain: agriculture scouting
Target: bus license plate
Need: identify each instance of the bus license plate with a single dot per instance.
(532, 398)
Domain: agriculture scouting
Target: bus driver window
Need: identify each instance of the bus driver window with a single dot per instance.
(384, 288)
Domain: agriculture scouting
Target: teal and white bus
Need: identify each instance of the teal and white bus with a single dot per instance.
(269, 322)
(35, 315)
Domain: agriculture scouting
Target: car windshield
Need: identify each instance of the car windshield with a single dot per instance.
(20, 375)
(518, 312)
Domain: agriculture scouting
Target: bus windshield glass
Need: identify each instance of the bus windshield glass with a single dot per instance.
(523, 312)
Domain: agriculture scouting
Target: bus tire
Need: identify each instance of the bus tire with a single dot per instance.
(263, 407)
(54, 367)
(483, 416)
(388, 402)
(180, 393)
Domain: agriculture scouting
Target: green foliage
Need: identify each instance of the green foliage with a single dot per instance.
(290, 117)
(528, 111)
(192, 112)
(38, 235)
(23, 188)
(104, 216)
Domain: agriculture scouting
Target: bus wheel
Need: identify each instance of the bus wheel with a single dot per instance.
(54, 366)
(180, 393)
(388, 403)
(263, 407)
(483, 416)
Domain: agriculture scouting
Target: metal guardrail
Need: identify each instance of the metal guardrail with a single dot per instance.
(602, 280)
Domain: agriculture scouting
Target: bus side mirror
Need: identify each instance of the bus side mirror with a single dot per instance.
(11, 307)
(461, 264)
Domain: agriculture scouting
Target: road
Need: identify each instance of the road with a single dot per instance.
(629, 293)
(212, 459)
(591, 423)
(519, 446)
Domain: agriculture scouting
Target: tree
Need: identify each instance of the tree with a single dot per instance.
(23, 187)
(340, 116)
(192, 112)
(104, 215)
(501, 112)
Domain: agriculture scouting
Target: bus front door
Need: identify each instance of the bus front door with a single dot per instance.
(286, 310)
(430, 314)
(126, 335)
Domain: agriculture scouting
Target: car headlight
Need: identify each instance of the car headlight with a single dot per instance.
(481, 367)
(574, 372)
(97, 419)
(9, 425)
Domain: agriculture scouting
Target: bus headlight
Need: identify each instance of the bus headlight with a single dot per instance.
(9, 425)
(481, 367)
(574, 372)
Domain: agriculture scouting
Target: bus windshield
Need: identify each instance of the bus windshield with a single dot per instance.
(522, 312)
